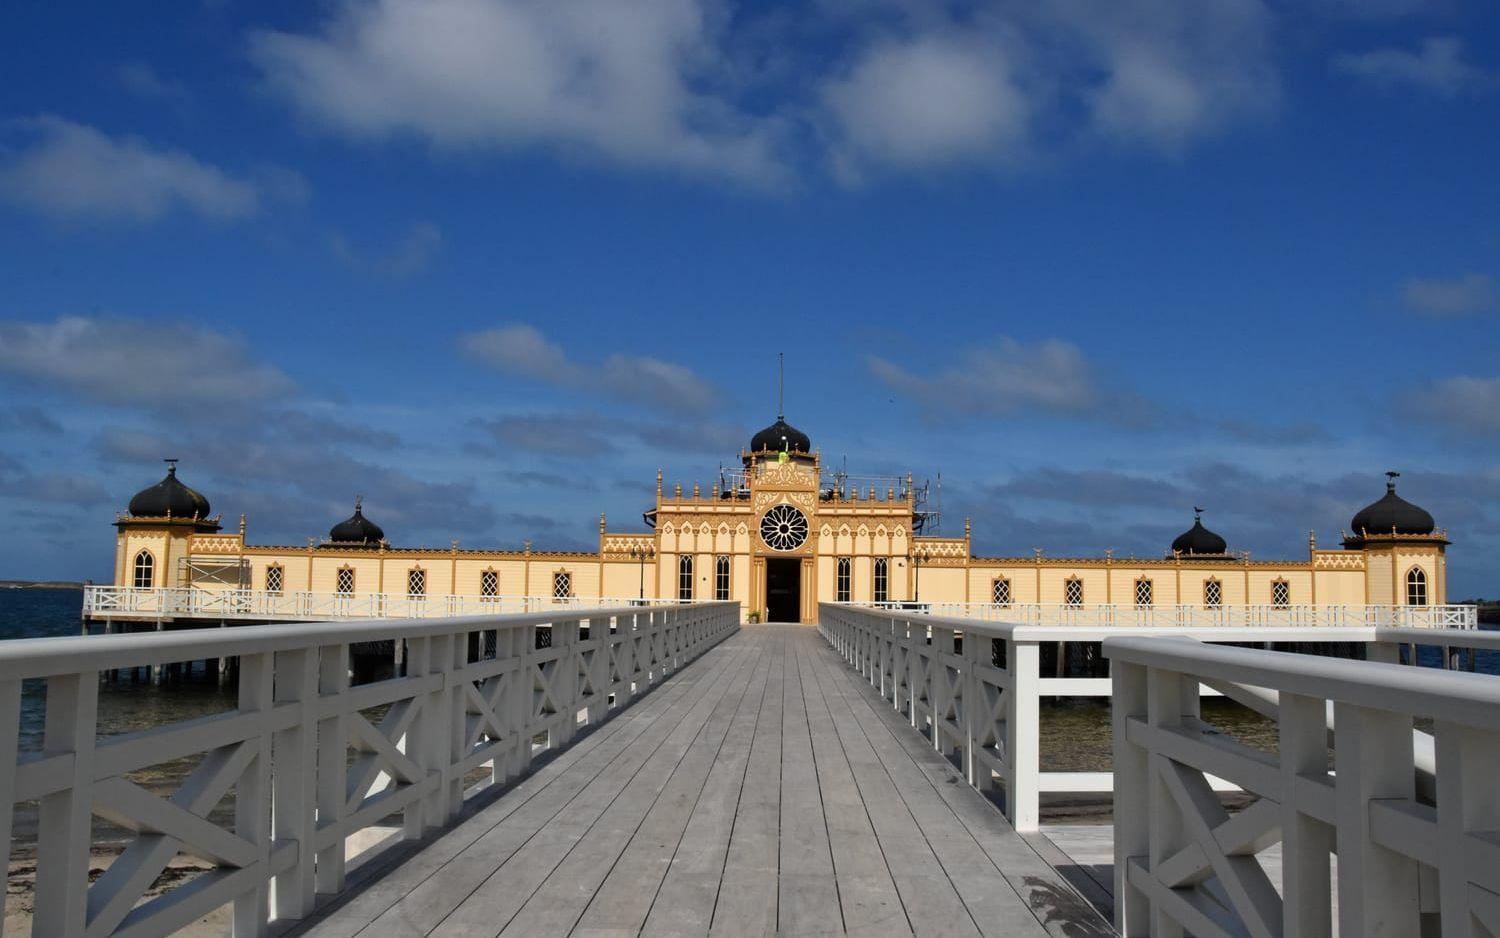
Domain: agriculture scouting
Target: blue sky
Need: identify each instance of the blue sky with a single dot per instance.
(491, 263)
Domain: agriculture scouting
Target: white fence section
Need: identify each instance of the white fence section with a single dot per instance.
(102, 602)
(1415, 828)
(478, 695)
(975, 688)
(1111, 615)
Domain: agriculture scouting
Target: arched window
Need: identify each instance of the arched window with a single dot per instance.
(1000, 591)
(882, 580)
(489, 584)
(275, 578)
(346, 580)
(685, 578)
(1143, 592)
(562, 586)
(1073, 591)
(1416, 587)
(1281, 593)
(721, 579)
(145, 571)
(416, 582)
(843, 592)
(1213, 593)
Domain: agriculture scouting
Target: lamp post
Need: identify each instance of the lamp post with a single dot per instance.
(641, 553)
(917, 555)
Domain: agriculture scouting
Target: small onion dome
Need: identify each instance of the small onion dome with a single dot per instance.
(1198, 539)
(169, 497)
(357, 529)
(780, 436)
(1392, 515)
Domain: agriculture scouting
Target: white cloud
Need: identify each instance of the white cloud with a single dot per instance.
(1467, 404)
(1437, 66)
(592, 77)
(523, 350)
(1010, 377)
(141, 80)
(134, 361)
(1460, 296)
(71, 172)
(409, 256)
(928, 101)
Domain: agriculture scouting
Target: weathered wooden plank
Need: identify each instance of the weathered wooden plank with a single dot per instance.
(867, 893)
(945, 800)
(660, 796)
(684, 905)
(523, 857)
(747, 897)
(932, 904)
(808, 895)
(629, 895)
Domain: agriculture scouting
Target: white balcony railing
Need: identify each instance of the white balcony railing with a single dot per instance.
(1411, 817)
(975, 688)
(102, 602)
(477, 696)
(1108, 615)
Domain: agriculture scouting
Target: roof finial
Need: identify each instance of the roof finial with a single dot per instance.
(171, 465)
(780, 385)
(359, 501)
(1391, 476)
(1197, 513)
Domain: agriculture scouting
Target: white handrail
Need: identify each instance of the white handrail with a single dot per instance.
(1188, 615)
(1182, 862)
(476, 694)
(102, 602)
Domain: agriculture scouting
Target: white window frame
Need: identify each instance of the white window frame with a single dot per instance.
(1213, 593)
(685, 578)
(1000, 593)
(844, 580)
(1281, 594)
(275, 578)
(882, 580)
(722, 581)
(143, 570)
(1145, 593)
(345, 573)
(1416, 587)
(562, 586)
(1073, 591)
(489, 583)
(416, 583)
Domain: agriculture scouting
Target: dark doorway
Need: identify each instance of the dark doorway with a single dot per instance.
(784, 590)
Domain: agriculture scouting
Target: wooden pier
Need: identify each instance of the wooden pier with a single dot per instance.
(763, 790)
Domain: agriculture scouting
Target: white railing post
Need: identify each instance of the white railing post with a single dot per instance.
(1164, 698)
(1377, 886)
(1468, 762)
(1131, 815)
(294, 782)
(333, 746)
(10, 726)
(1306, 842)
(1023, 736)
(252, 797)
(64, 822)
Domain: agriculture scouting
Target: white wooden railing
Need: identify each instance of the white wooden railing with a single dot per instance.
(1412, 859)
(975, 688)
(285, 751)
(102, 602)
(1109, 615)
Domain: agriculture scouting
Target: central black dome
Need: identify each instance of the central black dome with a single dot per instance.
(169, 497)
(1199, 540)
(1392, 515)
(778, 436)
(357, 530)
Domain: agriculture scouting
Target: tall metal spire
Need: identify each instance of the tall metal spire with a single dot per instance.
(780, 385)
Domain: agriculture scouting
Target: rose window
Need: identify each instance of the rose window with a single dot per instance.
(783, 528)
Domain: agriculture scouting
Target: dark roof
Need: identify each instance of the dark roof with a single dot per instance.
(1392, 515)
(169, 497)
(1198, 539)
(357, 529)
(780, 435)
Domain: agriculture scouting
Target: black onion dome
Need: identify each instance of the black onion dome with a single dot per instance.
(772, 437)
(357, 529)
(1198, 539)
(169, 497)
(1392, 515)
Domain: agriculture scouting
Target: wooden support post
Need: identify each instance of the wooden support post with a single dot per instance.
(294, 787)
(1132, 825)
(1164, 698)
(1377, 886)
(1023, 736)
(1306, 842)
(64, 828)
(253, 793)
(333, 771)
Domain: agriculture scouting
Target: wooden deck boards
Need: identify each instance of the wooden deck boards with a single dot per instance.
(765, 789)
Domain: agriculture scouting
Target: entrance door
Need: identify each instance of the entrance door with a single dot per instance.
(784, 590)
